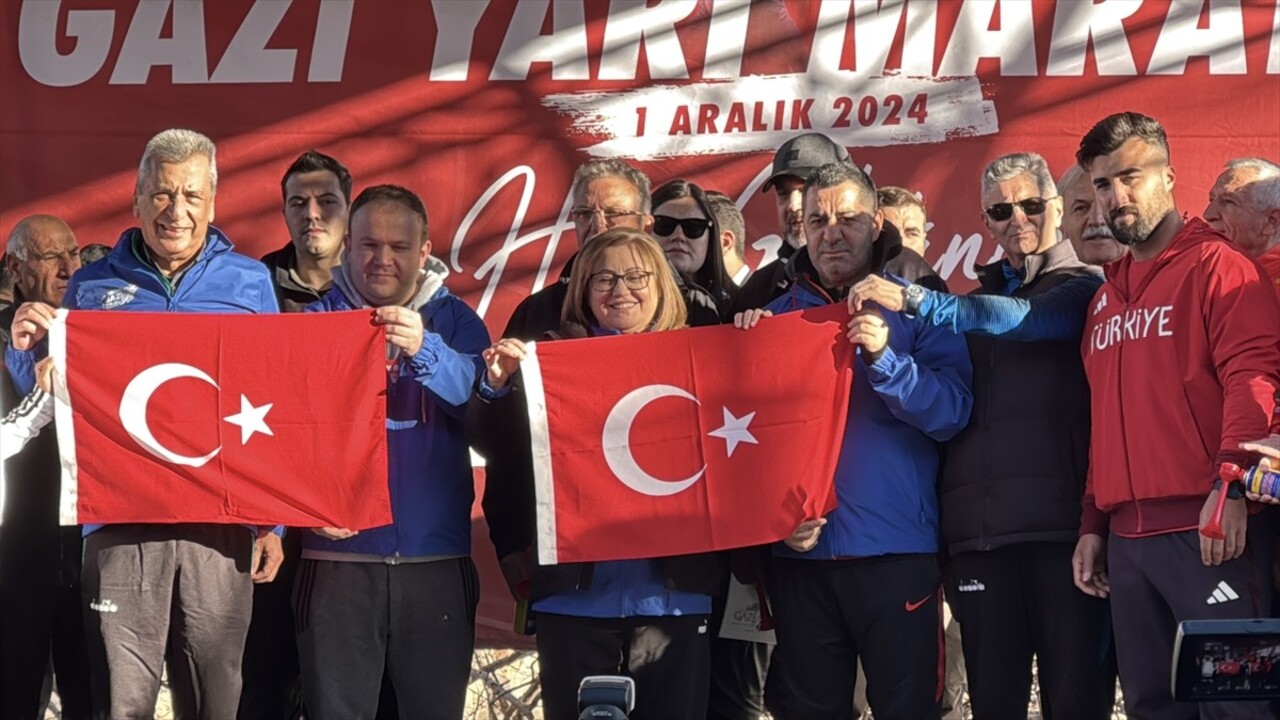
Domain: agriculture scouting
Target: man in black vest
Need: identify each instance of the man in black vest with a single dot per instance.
(39, 560)
(1013, 480)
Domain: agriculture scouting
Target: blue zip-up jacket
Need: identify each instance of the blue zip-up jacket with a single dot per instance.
(219, 281)
(916, 395)
(430, 465)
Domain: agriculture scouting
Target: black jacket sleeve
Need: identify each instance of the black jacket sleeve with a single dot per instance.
(499, 430)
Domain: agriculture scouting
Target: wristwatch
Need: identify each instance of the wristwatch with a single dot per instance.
(1234, 490)
(912, 296)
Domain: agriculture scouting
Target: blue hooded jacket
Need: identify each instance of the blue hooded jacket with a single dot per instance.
(430, 464)
(916, 395)
(219, 281)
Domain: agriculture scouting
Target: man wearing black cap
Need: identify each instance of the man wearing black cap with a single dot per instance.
(793, 162)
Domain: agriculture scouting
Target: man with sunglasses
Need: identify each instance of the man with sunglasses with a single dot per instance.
(1012, 480)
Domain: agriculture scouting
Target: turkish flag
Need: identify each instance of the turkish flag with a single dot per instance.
(189, 418)
(687, 441)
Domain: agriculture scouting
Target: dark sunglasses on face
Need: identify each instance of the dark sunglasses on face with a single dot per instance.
(1030, 206)
(693, 228)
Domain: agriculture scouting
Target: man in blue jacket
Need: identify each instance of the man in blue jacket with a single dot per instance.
(863, 582)
(174, 261)
(404, 595)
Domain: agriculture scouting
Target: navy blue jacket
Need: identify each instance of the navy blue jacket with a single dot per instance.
(915, 396)
(430, 465)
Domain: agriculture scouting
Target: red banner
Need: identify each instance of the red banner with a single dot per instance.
(485, 107)
(663, 457)
(189, 425)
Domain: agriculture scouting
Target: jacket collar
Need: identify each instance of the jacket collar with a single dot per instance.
(1194, 232)
(430, 281)
(1059, 255)
(887, 246)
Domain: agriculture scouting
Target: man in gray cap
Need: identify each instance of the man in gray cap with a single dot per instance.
(792, 164)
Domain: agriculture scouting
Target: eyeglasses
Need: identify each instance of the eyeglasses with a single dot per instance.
(1030, 206)
(693, 228)
(584, 215)
(605, 281)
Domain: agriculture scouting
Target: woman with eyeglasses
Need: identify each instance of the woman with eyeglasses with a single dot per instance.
(689, 234)
(647, 619)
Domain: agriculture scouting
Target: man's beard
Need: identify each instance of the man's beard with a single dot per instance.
(1140, 230)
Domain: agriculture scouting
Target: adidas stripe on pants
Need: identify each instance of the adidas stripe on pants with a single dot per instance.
(1159, 581)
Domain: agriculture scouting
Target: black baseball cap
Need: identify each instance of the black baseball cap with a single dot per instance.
(803, 154)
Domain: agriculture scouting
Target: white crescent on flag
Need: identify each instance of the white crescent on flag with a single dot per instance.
(133, 410)
(616, 442)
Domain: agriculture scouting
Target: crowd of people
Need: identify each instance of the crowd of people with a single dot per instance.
(1037, 458)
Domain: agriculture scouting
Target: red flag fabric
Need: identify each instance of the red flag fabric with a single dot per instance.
(255, 419)
(686, 441)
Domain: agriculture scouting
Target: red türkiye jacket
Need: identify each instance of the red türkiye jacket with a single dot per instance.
(1182, 368)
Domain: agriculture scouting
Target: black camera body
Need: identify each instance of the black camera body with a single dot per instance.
(606, 697)
(1227, 660)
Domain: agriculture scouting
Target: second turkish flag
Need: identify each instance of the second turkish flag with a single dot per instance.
(689, 441)
(255, 419)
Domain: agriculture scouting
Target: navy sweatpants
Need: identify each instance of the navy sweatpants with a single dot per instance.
(1159, 581)
(886, 611)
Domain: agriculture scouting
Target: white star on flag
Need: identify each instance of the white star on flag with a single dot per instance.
(251, 419)
(735, 431)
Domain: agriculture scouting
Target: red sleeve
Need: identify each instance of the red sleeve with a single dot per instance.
(1242, 317)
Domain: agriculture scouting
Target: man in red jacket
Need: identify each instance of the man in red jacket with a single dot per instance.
(1182, 352)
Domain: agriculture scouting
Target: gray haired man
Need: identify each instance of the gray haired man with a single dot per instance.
(1083, 222)
(1244, 205)
(185, 586)
(1012, 481)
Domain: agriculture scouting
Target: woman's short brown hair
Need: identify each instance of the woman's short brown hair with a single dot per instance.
(670, 313)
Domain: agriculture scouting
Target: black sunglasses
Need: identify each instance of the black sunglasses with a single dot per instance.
(1031, 206)
(693, 228)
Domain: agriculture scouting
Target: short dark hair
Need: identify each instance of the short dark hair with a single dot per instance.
(730, 218)
(897, 197)
(313, 161)
(391, 194)
(833, 174)
(1115, 130)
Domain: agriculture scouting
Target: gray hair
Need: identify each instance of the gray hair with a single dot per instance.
(174, 146)
(1007, 167)
(595, 169)
(20, 235)
(1265, 190)
(1072, 174)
